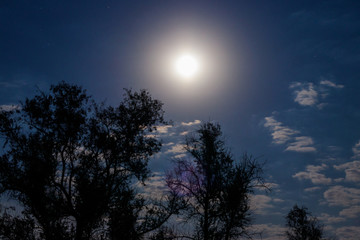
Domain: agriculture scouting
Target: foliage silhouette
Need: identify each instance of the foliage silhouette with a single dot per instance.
(15, 227)
(302, 225)
(215, 187)
(71, 164)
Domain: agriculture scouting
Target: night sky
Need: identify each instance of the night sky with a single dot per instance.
(281, 77)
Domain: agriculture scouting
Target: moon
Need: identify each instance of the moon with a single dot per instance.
(187, 66)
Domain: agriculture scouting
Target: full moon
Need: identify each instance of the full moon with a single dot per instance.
(187, 66)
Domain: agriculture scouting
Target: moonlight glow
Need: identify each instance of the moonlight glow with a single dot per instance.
(187, 66)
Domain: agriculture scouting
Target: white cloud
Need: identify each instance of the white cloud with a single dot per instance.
(9, 107)
(178, 148)
(342, 196)
(259, 204)
(348, 232)
(272, 186)
(301, 144)
(155, 186)
(312, 174)
(163, 129)
(282, 134)
(310, 94)
(351, 212)
(331, 84)
(328, 219)
(356, 151)
(307, 96)
(196, 122)
(352, 171)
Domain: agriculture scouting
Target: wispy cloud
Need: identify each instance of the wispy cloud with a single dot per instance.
(260, 203)
(356, 150)
(178, 148)
(312, 174)
(348, 232)
(311, 94)
(163, 129)
(342, 196)
(9, 107)
(282, 134)
(154, 187)
(331, 84)
(301, 144)
(307, 95)
(173, 139)
(328, 219)
(196, 122)
(351, 212)
(352, 169)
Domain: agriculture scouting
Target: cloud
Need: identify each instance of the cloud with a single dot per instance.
(13, 84)
(282, 134)
(307, 96)
(9, 107)
(331, 84)
(356, 151)
(173, 138)
(342, 196)
(348, 232)
(196, 122)
(301, 144)
(352, 171)
(328, 219)
(155, 186)
(178, 148)
(310, 94)
(163, 129)
(312, 174)
(259, 203)
(351, 212)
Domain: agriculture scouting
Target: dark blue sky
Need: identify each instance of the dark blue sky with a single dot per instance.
(282, 78)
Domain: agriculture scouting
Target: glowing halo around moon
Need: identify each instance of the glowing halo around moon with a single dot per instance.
(186, 66)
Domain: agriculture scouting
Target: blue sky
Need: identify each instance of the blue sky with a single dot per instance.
(281, 77)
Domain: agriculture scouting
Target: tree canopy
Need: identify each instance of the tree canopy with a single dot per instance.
(302, 225)
(215, 187)
(70, 163)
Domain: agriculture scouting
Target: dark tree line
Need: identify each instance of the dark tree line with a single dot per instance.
(71, 164)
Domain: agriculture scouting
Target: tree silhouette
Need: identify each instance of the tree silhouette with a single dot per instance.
(215, 186)
(302, 225)
(15, 227)
(71, 164)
